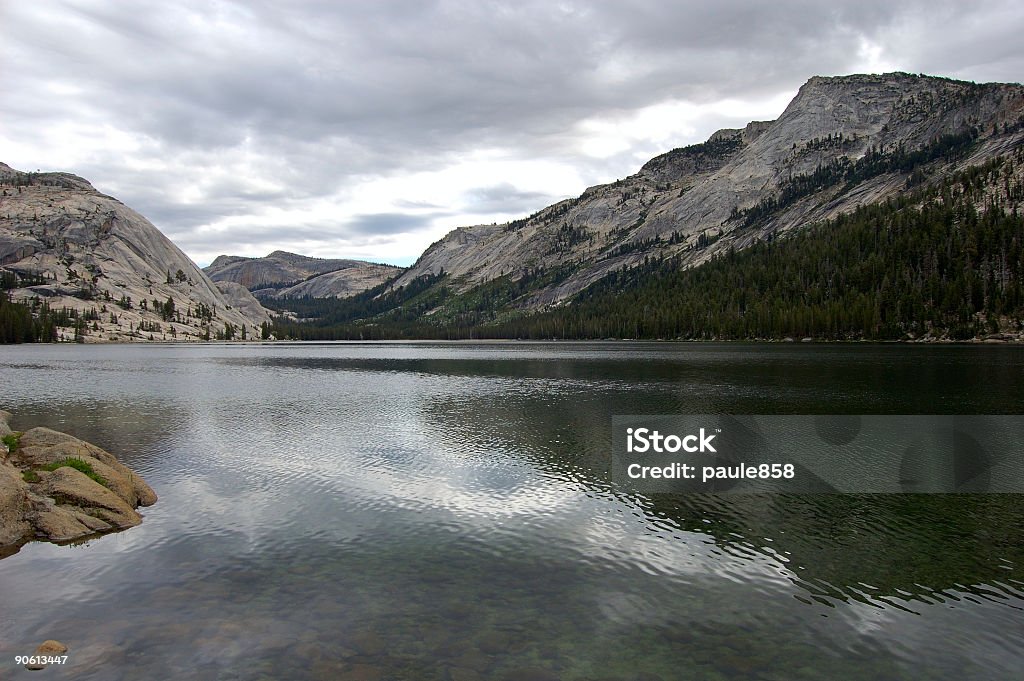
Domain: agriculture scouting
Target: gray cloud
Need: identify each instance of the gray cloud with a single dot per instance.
(505, 197)
(387, 223)
(231, 109)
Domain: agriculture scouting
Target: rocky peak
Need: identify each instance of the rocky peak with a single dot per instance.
(224, 260)
(289, 257)
(755, 129)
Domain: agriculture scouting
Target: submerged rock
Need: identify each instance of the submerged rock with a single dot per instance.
(362, 672)
(55, 487)
(49, 648)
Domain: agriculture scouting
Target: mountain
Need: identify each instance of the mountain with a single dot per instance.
(841, 144)
(97, 270)
(940, 262)
(289, 275)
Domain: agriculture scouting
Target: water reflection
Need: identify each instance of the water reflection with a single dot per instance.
(904, 546)
(444, 512)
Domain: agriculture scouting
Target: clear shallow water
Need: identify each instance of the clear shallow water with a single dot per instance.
(441, 511)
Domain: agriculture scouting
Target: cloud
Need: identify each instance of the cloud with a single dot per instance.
(505, 197)
(387, 223)
(228, 117)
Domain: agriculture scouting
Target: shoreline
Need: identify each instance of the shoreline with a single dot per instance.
(987, 340)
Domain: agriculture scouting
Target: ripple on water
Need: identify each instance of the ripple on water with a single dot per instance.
(436, 513)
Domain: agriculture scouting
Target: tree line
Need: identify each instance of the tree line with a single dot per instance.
(945, 261)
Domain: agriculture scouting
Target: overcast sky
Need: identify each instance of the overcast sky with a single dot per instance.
(370, 129)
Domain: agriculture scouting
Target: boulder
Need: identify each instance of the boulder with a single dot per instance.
(42, 446)
(60, 524)
(14, 506)
(65, 503)
(71, 487)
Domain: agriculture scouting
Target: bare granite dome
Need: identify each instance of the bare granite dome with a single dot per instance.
(74, 247)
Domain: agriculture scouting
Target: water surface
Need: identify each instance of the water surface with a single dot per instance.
(443, 511)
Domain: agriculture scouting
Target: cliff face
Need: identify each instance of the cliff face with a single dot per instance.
(65, 243)
(841, 143)
(288, 275)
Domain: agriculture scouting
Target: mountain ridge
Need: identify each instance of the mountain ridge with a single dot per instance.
(281, 274)
(666, 206)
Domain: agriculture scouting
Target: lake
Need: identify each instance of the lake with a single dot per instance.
(443, 512)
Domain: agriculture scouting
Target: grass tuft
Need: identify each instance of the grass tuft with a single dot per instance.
(12, 440)
(78, 465)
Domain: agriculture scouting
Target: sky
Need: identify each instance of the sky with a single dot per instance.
(370, 129)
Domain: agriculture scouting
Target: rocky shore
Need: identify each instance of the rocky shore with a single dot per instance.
(55, 487)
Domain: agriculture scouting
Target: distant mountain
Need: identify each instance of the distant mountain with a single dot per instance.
(101, 271)
(283, 275)
(842, 143)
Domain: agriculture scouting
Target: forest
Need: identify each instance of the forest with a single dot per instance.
(943, 260)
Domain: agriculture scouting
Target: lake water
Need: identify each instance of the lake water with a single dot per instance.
(443, 511)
